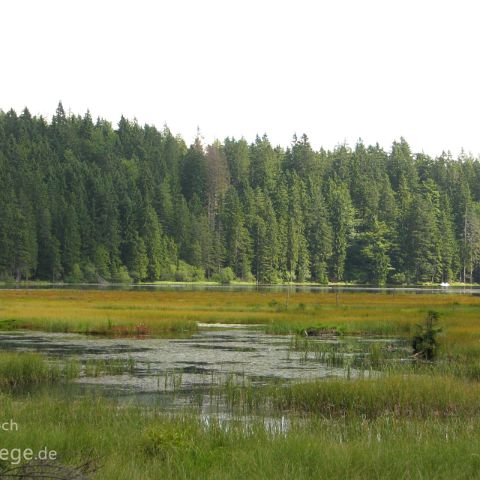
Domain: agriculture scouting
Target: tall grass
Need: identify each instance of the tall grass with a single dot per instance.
(400, 420)
(155, 313)
(22, 369)
(396, 395)
(134, 444)
(418, 396)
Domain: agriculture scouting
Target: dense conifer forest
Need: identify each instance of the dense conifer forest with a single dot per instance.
(84, 201)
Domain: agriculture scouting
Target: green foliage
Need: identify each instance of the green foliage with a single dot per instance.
(164, 441)
(102, 262)
(225, 276)
(188, 273)
(83, 201)
(121, 275)
(89, 273)
(342, 220)
(374, 251)
(425, 343)
(130, 444)
(24, 369)
(76, 275)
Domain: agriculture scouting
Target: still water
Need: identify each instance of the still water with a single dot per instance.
(175, 372)
(464, 290)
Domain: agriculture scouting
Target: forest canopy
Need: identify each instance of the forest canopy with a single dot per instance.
(82, 201)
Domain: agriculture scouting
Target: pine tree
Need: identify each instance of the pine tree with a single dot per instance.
(342, 217)
(237, 240)
(424, 240)
(152, 236)
(194, 174)
(265, 241)
(472, 240)
(81, 200)
(319, 234)
(375, 253)
(24, 240)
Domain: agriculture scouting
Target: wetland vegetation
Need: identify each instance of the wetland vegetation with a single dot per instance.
(375, 411)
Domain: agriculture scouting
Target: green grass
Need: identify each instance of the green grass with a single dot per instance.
(24, 369)
(418, 396)
(159, 313)
(400, 419)
(133, 444)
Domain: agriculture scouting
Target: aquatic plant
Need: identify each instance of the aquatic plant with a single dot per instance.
(25, 368)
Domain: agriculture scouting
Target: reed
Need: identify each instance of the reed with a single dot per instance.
(24, 369)
(418, 396)
(152, 313)
(394, 420)
(130, 443)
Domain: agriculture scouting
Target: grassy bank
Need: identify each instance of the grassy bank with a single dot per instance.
(80, 310)
(391, 394)
(405, 420)
(177, 312)
(134, 444)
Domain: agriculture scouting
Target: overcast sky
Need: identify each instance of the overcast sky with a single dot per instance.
(336, 70)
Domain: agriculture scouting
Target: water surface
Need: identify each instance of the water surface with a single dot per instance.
(176, 372)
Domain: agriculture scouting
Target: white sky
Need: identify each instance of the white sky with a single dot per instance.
(337, 70)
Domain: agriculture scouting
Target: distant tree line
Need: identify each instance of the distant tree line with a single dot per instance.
(83, 201)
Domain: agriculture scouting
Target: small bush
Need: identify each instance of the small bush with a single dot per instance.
(188, 273)
(76, 275)
(122, 276)
(184, 272)
(398, 279)
(5, 276)
(248, 276)
(198, 274)
(224, 276)
(425, 343)
(89, 273)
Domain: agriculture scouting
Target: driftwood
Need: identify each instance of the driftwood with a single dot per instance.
(47, 470)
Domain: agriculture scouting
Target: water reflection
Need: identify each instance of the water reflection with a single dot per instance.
(254, 288)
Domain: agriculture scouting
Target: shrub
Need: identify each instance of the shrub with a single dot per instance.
(249, 277)
(225, 276)
(165, 441)
(76, 275)
(425, 343)
(188, 273)
(89, 272)
(122, 276)
(198, 274)
(398, 279)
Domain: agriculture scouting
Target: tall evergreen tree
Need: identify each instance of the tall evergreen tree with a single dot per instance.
(342, 216)
(83, 201)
